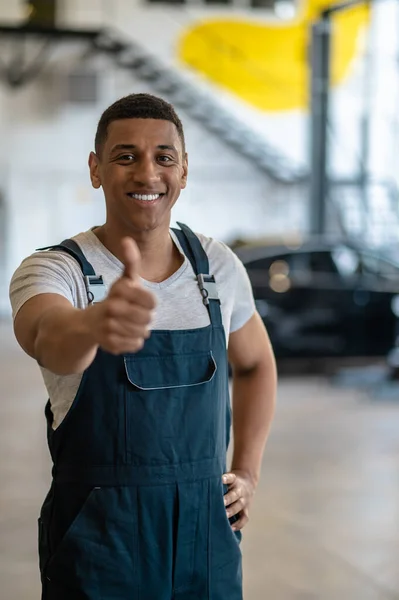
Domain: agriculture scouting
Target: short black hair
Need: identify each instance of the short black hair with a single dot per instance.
(137, 106)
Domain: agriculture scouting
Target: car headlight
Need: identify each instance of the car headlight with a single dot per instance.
(395, 305)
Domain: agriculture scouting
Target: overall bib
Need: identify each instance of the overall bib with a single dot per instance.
(135, 510)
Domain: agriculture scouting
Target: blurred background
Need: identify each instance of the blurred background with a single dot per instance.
(291, 117)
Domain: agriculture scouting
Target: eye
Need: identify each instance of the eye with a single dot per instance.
(126, 157)
(164, 158)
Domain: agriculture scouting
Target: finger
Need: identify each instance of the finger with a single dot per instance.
(241, 522)
(233, 495)
(127, 314)
(126, 331)
(134, 294)
(229, 478)
(236, 507)
(119, 345)
(131, 258)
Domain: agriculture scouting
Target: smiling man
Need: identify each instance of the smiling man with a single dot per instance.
(133, 324)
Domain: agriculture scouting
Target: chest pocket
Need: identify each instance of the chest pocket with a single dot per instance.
(168, 372)
(171, 408)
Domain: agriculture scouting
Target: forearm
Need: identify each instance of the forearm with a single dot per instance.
(254, 394)
(64, 343)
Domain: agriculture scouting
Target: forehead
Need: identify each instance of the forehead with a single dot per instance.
(142, 133)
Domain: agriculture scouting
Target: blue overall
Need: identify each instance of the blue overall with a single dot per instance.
(135, 510)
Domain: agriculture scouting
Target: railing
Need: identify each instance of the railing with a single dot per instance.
(203, 107)
(199, 105)
(368, 203)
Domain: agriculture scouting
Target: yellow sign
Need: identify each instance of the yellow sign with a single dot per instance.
(266, 64)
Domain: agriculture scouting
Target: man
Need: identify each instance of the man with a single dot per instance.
(130, 323)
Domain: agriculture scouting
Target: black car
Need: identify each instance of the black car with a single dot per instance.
(324, 298)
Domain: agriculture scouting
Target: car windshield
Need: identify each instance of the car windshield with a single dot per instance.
(375, 265)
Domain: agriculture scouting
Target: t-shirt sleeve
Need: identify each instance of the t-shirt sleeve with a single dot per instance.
(41, 273)
(244, 303)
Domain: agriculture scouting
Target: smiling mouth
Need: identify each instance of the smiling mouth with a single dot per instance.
(145, 197)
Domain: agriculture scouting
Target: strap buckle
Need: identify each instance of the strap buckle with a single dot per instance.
(208, 288)
(95, 288)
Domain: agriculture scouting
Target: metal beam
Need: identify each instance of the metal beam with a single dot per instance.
(23, 68)
(319, 91)
(49, 32)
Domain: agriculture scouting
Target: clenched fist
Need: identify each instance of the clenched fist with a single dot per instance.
(121, 323)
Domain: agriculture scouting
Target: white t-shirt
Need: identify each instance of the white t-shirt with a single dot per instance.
(179, 302)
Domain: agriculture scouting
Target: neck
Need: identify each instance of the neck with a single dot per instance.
(160, 258)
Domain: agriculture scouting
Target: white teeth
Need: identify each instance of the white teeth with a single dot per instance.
(145, 197)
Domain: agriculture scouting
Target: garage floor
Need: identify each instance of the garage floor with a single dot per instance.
(325, 520)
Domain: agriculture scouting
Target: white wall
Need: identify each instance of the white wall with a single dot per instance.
(158, 27)
(45, 141)
(12, 11)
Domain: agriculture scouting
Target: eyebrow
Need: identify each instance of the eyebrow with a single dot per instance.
(132, 147)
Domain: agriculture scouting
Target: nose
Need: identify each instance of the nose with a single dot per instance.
(146, 171)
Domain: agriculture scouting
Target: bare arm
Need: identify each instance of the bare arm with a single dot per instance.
(254, 394)
(56, 334)
(65, 340)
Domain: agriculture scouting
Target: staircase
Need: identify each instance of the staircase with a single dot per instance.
(129, 55)
(370, 215)
(200, 107)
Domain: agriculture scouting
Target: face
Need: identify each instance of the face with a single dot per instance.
(142, 171)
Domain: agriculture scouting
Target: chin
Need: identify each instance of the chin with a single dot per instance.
(145, 226)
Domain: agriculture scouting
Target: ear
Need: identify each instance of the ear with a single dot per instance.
(94, 170)
(185, 172)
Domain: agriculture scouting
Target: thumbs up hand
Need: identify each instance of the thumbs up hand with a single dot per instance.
(131, 258)
(121, 323)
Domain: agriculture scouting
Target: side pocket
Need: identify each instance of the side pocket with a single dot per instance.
(225, 553)
(58, 547)
(43, 545)
(225, 542)
(98, 550)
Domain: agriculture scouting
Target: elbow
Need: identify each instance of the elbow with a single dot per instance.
(264, 366)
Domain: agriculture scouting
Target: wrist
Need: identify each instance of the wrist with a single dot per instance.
(88, 324)
(247, 472)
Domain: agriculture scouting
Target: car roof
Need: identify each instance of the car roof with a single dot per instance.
(263, 248)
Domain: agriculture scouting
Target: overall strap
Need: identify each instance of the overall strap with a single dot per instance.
(95, 287)
(73, 249)
(198, 258)
(195, 249)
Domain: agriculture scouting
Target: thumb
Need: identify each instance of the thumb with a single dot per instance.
(131, 258)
